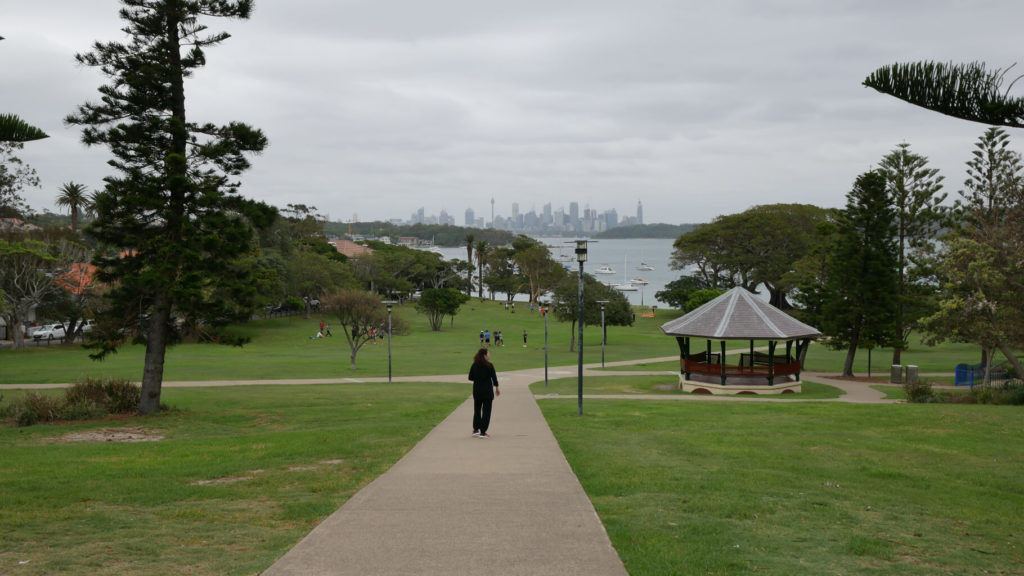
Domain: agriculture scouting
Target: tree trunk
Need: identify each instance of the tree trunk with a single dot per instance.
(352, 358)
(851, 353)
(1014, 360)
(156, 350)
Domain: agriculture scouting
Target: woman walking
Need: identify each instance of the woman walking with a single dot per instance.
(485, 388)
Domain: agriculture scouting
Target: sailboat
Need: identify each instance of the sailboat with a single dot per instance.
(625, 286)
(644, 265)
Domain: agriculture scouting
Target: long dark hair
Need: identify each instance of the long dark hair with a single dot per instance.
(481, 357)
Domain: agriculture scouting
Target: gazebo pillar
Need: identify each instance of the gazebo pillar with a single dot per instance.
(684, 353)
(721, 362)
(771, 362)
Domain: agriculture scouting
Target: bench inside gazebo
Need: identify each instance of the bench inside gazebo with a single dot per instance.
(740, 315)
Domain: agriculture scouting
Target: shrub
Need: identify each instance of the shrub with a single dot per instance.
(88, 392)
(123, 396)
(1010, 392)
(88, 400)
(918, 392)
(114, 396)
(35, 408)
(1014, 390)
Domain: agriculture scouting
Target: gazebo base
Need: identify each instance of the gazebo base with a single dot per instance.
(740, 386)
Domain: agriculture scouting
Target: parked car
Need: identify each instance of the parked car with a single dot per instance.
(49, 332)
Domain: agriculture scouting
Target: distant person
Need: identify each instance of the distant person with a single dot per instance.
(485, 388)
(499, 340)
(327, 330)
(513, 307)
(524, 338)
(321, 326)
(487, 338)
(481, 338)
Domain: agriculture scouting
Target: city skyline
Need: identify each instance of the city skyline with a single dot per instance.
(549, 219)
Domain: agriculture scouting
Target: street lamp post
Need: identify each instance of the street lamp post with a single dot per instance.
(389, 304)
(602, 303)
(581, 257)
(544, 312)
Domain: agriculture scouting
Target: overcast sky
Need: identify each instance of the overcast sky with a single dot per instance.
(375, 108)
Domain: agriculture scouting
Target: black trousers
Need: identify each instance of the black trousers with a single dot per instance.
(482, 411)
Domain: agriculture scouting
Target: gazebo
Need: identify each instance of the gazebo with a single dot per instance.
(740, 315)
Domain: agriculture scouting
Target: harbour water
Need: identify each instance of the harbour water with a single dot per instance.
(622, 255)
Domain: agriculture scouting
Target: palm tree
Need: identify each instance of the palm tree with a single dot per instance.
(469, 258)
(481, 253)
(74, 197)
(965, 91)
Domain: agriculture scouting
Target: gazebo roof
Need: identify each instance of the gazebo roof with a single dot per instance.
(739, 315)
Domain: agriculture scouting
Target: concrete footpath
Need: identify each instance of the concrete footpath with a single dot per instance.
(456, 504)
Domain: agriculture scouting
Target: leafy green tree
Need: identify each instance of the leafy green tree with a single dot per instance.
(359, 312)
(15, 176)
(25, 281)
(171, 209)
(502, 273)
(915, 193)
(541, 271)
(677, 293)
(752, 248)
(965, 91)
(982, 297)
(437, 303)
(860, 305)
(565, 304)
(75, 198)
(809, 276)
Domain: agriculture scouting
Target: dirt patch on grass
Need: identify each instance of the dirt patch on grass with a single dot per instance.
(112, 435)
(223, 480)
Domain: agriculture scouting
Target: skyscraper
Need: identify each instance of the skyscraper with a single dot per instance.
(639, 212)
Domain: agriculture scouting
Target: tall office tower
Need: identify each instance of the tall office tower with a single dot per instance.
(470, 217)
(547, 218)
(611, 219)
(574, 212)
(639, 212)
(515, 213)
(492, 211)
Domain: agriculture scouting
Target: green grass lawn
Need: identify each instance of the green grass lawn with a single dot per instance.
(281, 349)
(665, 384)
(734, 488)
(241, 474)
